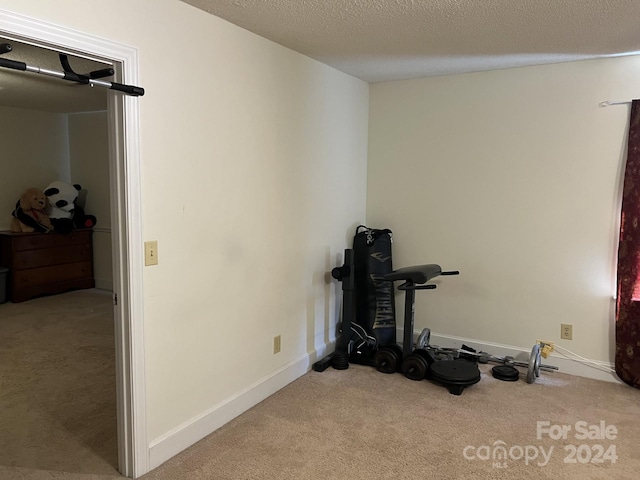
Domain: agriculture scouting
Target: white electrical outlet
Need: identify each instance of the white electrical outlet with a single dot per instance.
(566, 331)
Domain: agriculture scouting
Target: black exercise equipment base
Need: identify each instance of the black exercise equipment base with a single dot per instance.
(322, 365)
(455, 375)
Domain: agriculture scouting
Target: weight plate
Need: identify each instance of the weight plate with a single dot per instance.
(423, 339)
(506, 373)
(533, 359)
(415, 367)
(398, 351)
(340, 361)
(455, 372)
(386, 360)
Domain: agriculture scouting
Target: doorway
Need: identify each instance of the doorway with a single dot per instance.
(57, 361)
(126, 235)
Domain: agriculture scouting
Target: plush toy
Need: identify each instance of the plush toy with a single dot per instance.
(30, 214)
(80, 218)
(64, 210)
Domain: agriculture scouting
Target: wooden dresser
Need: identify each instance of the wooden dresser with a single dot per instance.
(46, 263)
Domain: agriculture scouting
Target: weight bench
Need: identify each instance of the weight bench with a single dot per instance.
(417, 364)
(414, 279)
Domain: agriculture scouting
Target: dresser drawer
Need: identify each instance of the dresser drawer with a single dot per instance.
(56, 273)
(48, 240)
(52, 256)
(46, 263)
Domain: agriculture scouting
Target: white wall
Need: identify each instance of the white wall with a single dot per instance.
(35, 151)
(253, 177)
(513, 177)
(89, 161)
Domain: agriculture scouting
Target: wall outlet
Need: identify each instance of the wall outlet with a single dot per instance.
(151, 253)
(566, 331)
(276, 344)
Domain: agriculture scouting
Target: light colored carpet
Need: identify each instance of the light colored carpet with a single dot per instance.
(356, 424)
(57, 391)
(360, 424)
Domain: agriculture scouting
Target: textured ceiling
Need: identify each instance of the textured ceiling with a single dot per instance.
(378, 40)
(38, 92)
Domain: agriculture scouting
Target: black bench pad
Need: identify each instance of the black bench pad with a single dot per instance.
(415, 274)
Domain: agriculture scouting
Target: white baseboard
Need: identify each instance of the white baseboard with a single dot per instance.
(103, 284)
(564, 364)
(173, 442)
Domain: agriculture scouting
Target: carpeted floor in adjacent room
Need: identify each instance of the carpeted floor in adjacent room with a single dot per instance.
(58, 390)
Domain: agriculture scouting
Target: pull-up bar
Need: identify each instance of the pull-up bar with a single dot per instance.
(90, 78)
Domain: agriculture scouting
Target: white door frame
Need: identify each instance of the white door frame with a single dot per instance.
(126, 226)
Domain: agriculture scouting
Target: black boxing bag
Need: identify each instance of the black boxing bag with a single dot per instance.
(374, 297)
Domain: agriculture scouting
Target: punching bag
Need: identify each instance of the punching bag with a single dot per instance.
(374, 297)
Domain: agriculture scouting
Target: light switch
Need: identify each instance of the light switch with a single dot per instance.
(151, 253)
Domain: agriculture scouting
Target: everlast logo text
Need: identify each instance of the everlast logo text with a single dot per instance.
(384, 298)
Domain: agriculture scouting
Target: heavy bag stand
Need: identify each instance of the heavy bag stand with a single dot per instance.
(353, 343)
(340, 358)
(90, 78)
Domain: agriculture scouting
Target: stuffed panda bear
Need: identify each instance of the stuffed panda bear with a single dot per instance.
(64, 212)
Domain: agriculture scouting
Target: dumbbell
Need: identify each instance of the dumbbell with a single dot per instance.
(416, 365)
(388, 359)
